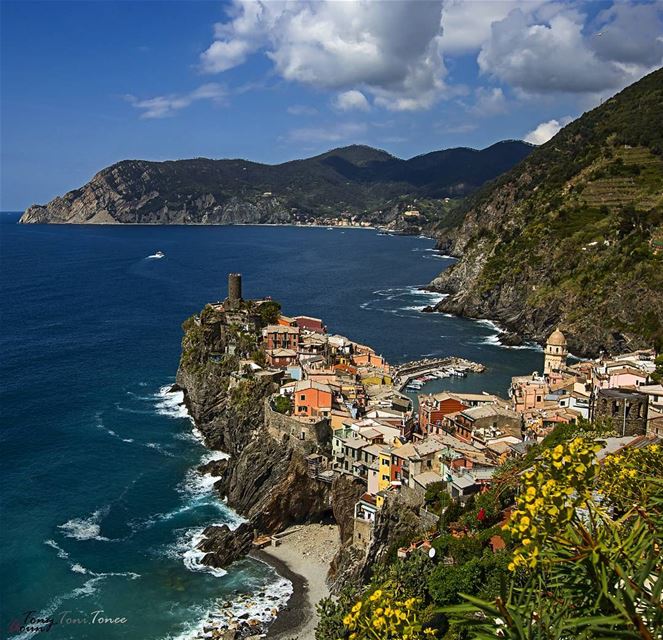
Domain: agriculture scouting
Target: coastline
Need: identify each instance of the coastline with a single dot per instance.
(302, 558)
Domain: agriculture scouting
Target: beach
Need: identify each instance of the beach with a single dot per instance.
(303, 557)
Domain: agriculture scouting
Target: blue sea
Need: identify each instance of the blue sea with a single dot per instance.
(101, 505)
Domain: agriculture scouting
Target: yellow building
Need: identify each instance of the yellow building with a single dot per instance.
(384, 473)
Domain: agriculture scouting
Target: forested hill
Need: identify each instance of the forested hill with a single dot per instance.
(572, 235)
(355, 180)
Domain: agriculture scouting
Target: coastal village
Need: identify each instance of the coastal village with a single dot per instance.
(345, 407)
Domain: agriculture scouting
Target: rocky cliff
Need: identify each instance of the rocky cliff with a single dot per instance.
(355, 180)
(264, 480)
(572, 235)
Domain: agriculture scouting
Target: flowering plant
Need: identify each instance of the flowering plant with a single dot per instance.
(381, 616)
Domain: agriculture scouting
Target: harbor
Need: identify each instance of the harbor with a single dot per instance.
(411, 376)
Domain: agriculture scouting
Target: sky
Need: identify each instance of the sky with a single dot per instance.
(89, 83)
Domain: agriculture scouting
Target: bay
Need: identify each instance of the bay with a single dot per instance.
(100, 506)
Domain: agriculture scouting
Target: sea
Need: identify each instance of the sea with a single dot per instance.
(101, 505)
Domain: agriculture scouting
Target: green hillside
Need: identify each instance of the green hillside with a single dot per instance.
(570, 235)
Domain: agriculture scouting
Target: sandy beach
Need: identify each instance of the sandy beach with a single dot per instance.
(303, 557)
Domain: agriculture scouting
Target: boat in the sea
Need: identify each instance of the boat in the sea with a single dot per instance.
(157, 255)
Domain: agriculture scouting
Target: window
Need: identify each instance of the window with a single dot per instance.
(385, 477)
(538, 398)
(302, 397)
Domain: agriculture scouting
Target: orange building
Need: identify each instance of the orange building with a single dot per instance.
(433, 409)
(312, 399)
(276, 336)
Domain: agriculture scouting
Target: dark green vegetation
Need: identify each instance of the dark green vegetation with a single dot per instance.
(569, 236)
(351, 181)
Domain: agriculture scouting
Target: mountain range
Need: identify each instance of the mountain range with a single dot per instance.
(356, 180)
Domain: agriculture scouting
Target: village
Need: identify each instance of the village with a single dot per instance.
(342, 404)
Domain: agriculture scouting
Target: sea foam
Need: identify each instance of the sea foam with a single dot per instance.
(85, 528)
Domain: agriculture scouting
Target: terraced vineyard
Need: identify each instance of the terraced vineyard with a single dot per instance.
(642, 186)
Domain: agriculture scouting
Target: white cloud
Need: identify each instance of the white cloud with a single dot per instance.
(466, 25)
(489, 102)
(548, 51)
(165, 106)
(351, 100)
(390, 51)
(546, 130)
(223, 55)
(334, 133)
(630, 34)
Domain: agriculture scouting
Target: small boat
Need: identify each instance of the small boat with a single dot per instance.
(157, 255)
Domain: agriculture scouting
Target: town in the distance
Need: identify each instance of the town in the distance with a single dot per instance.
(352, 413)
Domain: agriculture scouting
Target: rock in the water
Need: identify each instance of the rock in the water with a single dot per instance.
(510, 339)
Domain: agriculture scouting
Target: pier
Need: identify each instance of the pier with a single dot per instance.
(451, 365)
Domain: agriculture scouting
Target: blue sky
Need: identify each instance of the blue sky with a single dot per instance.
(86, 84)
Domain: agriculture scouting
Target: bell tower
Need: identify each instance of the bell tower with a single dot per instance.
(555, 352)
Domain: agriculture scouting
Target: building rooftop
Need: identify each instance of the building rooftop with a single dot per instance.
(557, 339)
(488, 410)
(283, 353)
(427, 477)
(279, 328)
(622, 394)
(303, 385)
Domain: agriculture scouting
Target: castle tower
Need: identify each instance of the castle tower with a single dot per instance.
(234, 289)
(555, 352)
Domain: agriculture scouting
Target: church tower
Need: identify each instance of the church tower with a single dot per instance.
(555, 353)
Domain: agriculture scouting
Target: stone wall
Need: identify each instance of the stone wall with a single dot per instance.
(309, 435)
(627, 410)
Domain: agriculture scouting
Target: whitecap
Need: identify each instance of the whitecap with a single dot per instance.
(61, 552)
(157, 447)
(488, 323)
(85, 528)
(77, 568)
(171, 403)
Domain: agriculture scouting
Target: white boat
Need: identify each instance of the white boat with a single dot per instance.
(441, 374)
(157, 255)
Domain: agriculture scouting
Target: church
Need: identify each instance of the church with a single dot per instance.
(555, 353)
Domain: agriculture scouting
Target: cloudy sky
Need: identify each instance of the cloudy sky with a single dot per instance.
(85, 84)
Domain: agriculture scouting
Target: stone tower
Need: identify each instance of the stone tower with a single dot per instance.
(234, 289)
(555, 353)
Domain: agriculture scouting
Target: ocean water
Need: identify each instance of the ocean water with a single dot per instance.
(100, 508)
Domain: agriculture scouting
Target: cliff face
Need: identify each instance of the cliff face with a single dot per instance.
(264, 480)
(357, 180)
(569, 236)
(395, 522)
